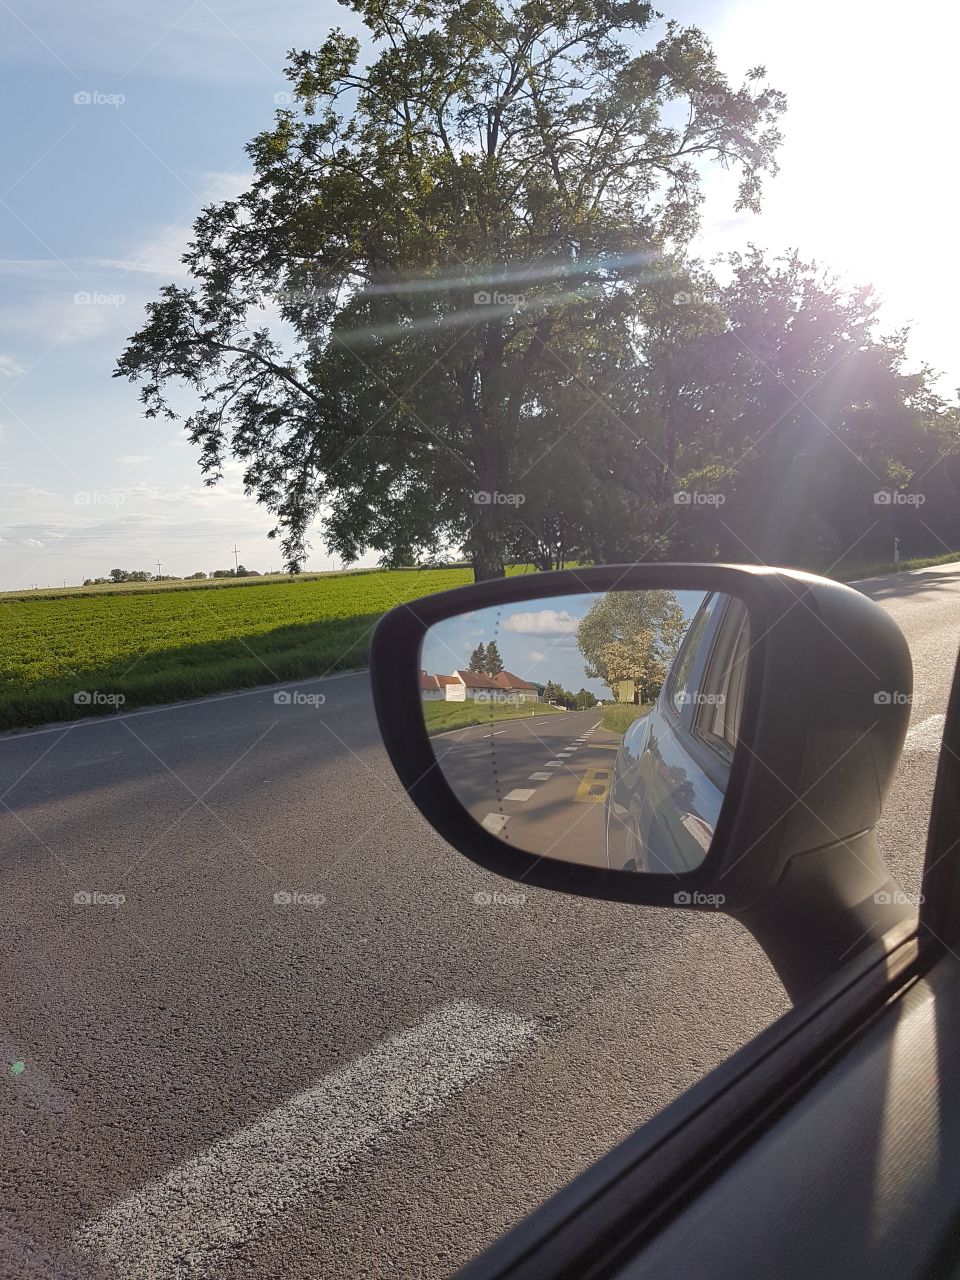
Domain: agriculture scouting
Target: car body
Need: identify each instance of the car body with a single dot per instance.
(672, 768)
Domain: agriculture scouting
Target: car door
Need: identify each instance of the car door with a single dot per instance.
(671, 771)
(830, 1145)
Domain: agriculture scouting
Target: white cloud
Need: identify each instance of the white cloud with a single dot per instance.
(132, 459)
(536, 655)
(542, 622)
(10, 367)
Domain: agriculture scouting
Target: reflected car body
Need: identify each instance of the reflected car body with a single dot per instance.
(672, 767)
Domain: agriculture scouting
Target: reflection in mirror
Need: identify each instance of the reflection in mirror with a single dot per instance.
(596, 728)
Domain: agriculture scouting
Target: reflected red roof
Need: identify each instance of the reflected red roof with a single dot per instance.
(477, 680)
(507, 680)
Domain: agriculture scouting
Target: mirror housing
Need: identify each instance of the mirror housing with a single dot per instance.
(825, 713)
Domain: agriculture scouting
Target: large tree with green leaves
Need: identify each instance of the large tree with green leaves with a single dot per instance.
(773, 407)
(631, 635)
(432, 242)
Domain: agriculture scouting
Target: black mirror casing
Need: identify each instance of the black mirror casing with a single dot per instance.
(825, 713)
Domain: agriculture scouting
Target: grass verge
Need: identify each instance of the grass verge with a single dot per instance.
(881, 568)
(619, 716)
(443, 716)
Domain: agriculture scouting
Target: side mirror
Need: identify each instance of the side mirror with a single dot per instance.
(750, 725)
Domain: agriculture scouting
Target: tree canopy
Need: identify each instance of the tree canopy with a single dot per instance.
(436, 246)
(631, 635)
(456, 310)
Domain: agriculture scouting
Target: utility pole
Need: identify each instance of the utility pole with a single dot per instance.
(236, 562)
(896, 553)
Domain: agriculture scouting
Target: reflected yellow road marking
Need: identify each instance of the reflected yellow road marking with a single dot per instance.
(594, 787)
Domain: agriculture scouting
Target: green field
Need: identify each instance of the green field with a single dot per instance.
(159, 644)
(192, 584)
(148, 643)
(442, 716)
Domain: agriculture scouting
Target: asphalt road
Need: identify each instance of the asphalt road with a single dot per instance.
(260, 1021)
(537, 782)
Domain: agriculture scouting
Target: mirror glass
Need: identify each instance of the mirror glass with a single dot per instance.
(597, 728)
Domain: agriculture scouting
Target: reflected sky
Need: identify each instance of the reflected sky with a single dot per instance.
(537, 639)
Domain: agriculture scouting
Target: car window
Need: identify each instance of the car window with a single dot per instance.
(682, 674)
(720, 697)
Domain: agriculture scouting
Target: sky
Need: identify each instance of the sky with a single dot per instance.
(537, 639)
(123, 121)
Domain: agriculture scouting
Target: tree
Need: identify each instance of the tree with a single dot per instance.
(552, 692)
(584, 700)
(129, 575)
(492, 662)
(631, 635)
(478, 659)
(635, 658)
(774, 400)
(198, 574)
(445, 233)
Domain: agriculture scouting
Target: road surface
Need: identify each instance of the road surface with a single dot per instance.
(260, 1021)
(537, 782)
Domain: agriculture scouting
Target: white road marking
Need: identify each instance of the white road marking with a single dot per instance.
(86, 764)
(197, 1217)
(540, 777)
(495, 822)
(926, 735)
(520, 793)
(554, 764)
(494, 735)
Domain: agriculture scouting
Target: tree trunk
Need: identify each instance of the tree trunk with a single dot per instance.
(486, 548)
(486, 536)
